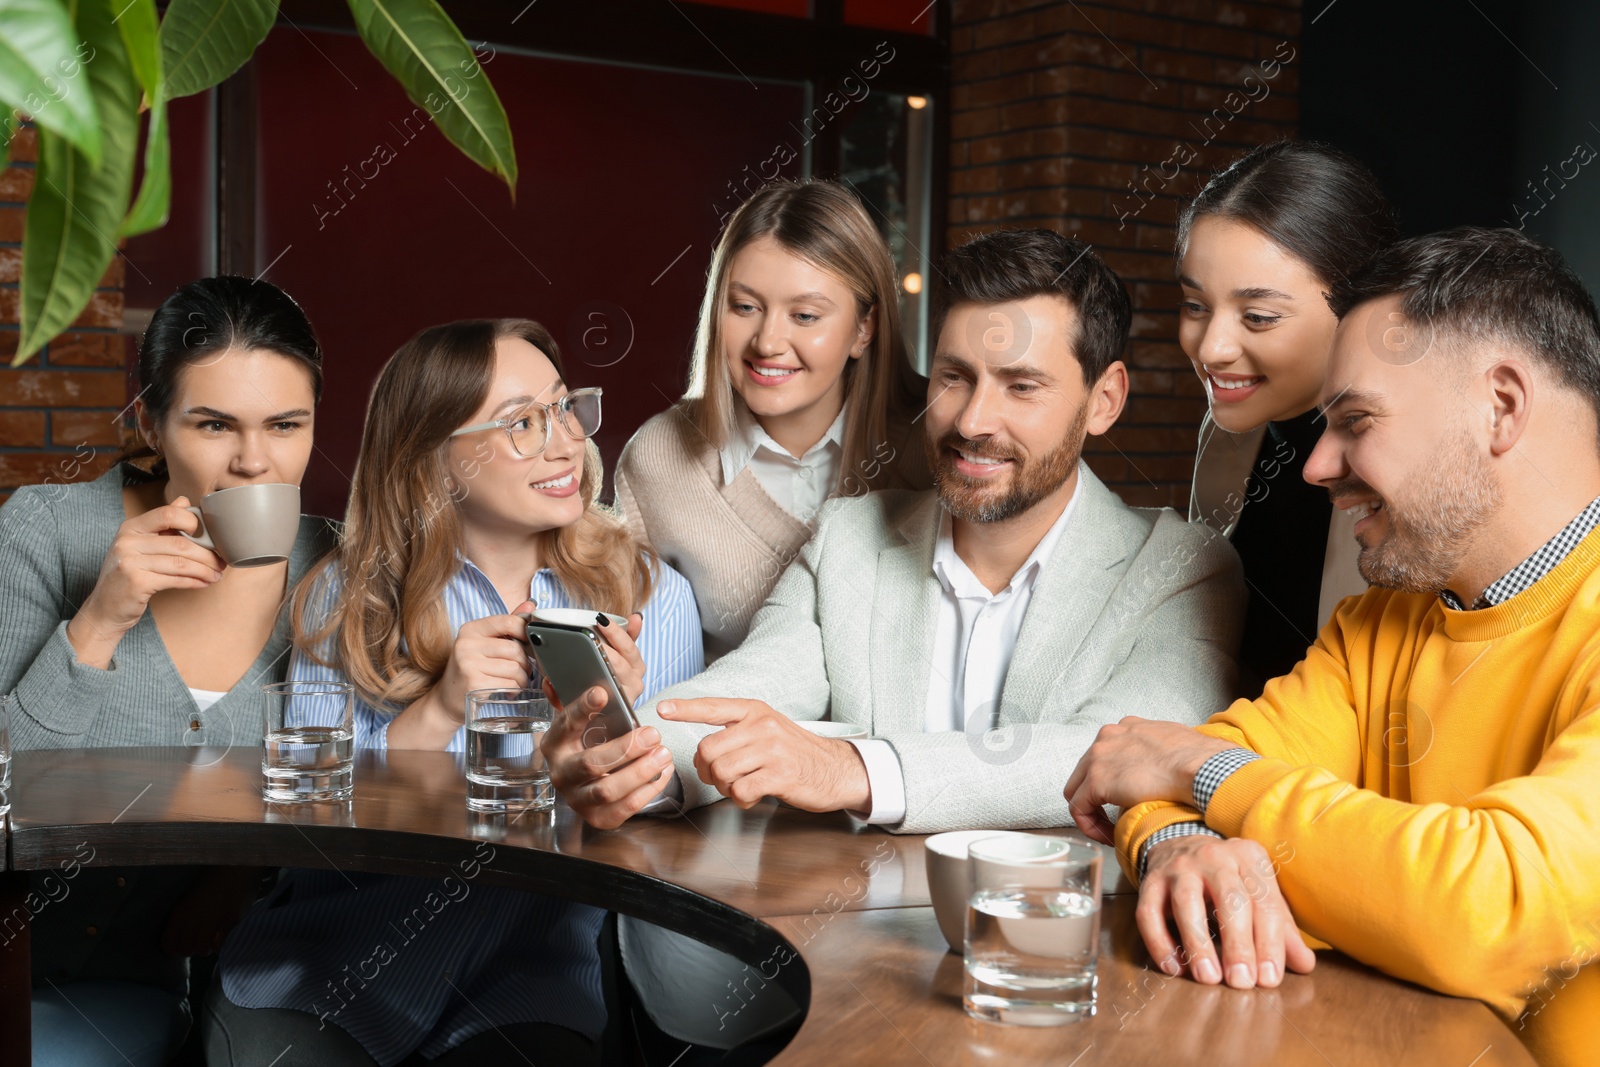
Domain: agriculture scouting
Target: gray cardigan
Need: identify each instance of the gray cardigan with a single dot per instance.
(53, 539)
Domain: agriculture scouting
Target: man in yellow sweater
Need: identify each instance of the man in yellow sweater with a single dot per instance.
(1421, 791)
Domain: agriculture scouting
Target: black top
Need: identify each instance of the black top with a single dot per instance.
(1281, 539)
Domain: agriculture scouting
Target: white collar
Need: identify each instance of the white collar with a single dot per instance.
(956, 577)
(748, 437)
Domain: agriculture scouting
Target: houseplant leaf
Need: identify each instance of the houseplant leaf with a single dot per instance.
(42, 64)
(418, 44)
(141, 35)
(154, 202)
(204, 41)
(73, 213)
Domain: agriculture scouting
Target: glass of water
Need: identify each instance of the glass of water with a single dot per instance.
(5, 754)
(1033, 930)
(309, 741)
(505, 769)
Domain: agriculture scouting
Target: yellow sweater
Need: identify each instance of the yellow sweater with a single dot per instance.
(1431, 789)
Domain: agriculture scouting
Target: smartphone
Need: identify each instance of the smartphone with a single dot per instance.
(571, 655)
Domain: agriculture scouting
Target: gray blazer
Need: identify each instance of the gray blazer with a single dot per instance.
(1135, 613)
(53, 539)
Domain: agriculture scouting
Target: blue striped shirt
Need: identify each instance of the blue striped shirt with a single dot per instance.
(405, 964)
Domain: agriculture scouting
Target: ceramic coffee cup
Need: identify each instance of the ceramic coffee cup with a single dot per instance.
(1027, 860)
(577, 617)
(249, 525)
(950, 879)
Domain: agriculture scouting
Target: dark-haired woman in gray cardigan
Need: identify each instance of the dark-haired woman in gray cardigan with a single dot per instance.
(116, 631)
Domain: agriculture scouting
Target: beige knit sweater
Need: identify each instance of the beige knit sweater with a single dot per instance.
(731, 541)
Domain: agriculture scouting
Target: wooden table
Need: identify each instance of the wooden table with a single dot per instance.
(767, 884)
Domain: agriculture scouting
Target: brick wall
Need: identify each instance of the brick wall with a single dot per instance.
(60, 412)
(1098, 119)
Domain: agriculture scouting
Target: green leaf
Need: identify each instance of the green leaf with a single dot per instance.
(154, 203)
(42, 64)
(204, 41)
(69, 234)
(9, 124)
(137, 24)
(425, 52)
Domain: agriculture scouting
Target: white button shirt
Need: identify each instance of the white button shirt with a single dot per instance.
(972, 646)
(798, 486)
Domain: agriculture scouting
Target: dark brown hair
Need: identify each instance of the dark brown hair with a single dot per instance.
(1477, 283)
(1321, 205)
(1010, 265)
(208, 317)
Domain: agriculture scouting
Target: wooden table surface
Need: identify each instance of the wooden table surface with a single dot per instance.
(853, 902)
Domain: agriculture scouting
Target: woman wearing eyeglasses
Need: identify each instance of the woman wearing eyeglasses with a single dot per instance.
(474, 500)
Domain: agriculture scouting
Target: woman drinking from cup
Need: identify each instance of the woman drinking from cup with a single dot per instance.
(800, 390)
(1258, 250)
(117, 628)
(474, 503)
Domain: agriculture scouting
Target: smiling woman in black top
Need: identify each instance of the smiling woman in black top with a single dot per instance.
(1258, 250)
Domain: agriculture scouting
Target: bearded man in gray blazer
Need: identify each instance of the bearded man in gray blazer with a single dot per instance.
(981, 633)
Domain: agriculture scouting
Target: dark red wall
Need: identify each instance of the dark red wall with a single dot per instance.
(623, 171)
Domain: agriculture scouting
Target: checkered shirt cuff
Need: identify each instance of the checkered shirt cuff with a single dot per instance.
(1167, 833)
(1214, 771)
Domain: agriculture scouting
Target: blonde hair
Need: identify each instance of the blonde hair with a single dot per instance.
(402, 538)
(823, 223)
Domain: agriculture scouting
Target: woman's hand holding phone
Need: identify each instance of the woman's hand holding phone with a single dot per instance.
(622, 655)
(608, 783)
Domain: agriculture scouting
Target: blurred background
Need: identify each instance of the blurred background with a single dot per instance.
(640, 124)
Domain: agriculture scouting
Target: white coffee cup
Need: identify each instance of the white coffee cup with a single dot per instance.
(1039, 862)
(577, 617)
(843, 731)
(950, 878)
(1022, 860)
(249, 525)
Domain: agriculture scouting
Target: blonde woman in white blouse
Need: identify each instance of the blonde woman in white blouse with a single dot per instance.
(800, 390)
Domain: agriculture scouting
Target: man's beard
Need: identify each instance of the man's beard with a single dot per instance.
(1450, 496)
(971, 500)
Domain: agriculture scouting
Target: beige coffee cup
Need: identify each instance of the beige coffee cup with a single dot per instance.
(249, 525)
(950, 878)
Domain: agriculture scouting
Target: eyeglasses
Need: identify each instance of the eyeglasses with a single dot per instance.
(529, 428)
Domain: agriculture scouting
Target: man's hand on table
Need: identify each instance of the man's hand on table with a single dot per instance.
(1132, 761)
(1185, 877)
(607, 784)
(761, 752)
